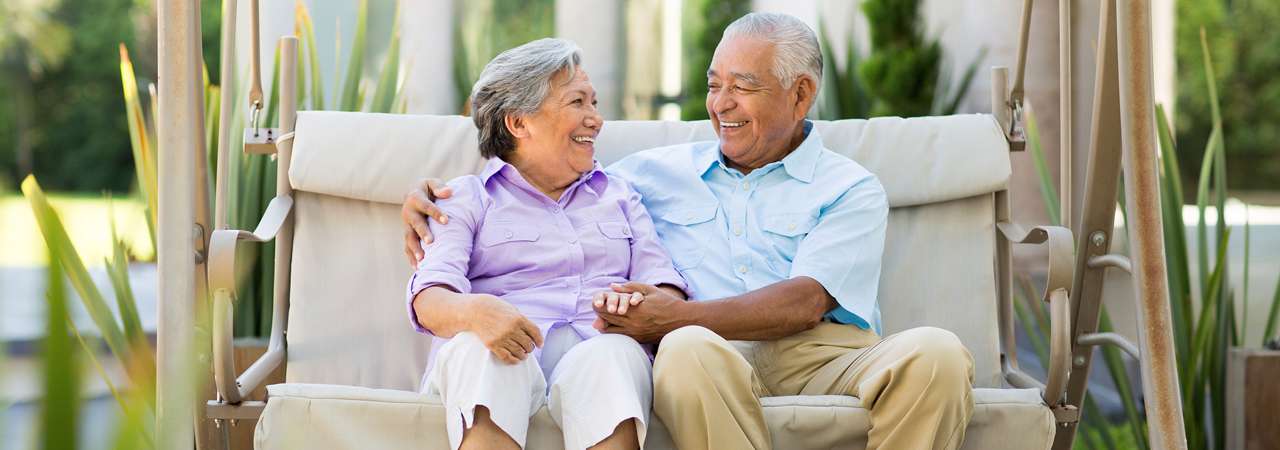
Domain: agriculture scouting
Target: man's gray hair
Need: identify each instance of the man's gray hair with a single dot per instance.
(796, 50)
(515, 83)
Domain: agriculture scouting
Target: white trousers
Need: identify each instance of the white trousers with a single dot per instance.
(595, 385)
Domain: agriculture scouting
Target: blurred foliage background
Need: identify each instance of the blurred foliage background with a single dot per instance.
(60, 99)
(1245, 42)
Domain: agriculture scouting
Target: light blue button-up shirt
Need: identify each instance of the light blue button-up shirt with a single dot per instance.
(815, 213)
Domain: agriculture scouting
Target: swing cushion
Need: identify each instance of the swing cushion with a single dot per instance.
(354, 362)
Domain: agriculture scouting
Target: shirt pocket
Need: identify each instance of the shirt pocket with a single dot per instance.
(504, 233)
(614, 239)
(684, 232)
(785, 231)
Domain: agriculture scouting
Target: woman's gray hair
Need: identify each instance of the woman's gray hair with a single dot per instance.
(796, 50)
(515, 83)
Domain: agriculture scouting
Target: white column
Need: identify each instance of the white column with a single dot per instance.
(426, 56)
(181, 112)
(596, 26)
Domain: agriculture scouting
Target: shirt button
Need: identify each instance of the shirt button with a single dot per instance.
(510, 234)
(746, 185)
(791, 227)
(573, 240)
(737, 232)
(742, 269)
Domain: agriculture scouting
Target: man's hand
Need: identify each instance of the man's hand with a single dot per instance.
(419, 203)
(506, 332)
(648, 321)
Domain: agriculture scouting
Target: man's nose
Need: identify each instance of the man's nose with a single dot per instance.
(722, 103)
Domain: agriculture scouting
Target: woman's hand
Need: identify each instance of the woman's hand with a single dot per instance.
(506, 332)
(613, 302)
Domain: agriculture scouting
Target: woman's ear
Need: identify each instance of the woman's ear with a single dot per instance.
(516, 126)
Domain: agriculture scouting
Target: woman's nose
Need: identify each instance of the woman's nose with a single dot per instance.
(594, 120)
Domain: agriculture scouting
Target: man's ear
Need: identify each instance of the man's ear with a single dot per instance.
(516, 126)
(806, 94)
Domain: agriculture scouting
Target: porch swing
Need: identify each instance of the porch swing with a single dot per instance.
(353, 364)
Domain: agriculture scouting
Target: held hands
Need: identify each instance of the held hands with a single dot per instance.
(658, 311)
(507, 333)
(613, 302)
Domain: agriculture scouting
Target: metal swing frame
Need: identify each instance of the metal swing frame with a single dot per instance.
(1122, 141)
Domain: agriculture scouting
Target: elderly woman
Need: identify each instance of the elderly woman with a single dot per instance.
(530, 244)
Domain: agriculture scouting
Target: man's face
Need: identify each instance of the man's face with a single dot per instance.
(758, 120)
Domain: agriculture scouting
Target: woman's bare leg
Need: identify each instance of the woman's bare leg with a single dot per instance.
(623, 438)
(486, 435)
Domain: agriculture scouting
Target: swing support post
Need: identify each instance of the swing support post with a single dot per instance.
(181, 118)
(1122, 142)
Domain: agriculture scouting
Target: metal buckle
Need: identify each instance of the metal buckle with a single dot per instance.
(1017, 134)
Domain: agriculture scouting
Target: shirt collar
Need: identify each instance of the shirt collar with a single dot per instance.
(803, 161)
(800, 164)
(595, 179)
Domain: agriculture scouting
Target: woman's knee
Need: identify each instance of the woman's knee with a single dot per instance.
(466, 350)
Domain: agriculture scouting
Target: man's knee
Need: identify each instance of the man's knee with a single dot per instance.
(682, 351)
(940, 351)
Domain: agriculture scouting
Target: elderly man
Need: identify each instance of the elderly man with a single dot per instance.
(780, 241)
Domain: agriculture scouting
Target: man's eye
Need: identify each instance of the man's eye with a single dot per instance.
(577, 101)
(595, 102)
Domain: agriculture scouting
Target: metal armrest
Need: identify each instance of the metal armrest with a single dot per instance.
(222, 282)
(1057, 293)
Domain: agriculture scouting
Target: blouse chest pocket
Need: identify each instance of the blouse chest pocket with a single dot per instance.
(500, 233)
(614, 230)
(606, 246)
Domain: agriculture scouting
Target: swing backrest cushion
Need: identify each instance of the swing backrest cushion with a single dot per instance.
(350, 171)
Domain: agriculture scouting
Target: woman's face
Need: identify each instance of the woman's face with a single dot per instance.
(559, 140)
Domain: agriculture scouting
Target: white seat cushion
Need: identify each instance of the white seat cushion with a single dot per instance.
(347, 417)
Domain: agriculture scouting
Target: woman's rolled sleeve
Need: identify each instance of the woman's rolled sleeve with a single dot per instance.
(446, 258)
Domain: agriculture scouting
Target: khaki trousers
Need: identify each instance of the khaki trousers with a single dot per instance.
(916, 384)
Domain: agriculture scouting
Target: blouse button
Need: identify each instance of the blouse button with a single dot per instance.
(510, 234)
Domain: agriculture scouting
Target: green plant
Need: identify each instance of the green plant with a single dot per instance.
(485, 28)
(843, 95)
(123, 337)
(904, 74)
(1204, 326)
(1243, 37)
(253, 181)
(704, 23)
(252, 178)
